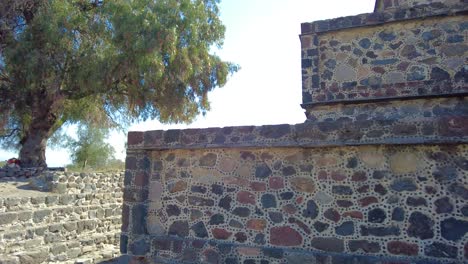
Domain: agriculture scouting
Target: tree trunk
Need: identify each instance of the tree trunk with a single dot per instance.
(34, 141)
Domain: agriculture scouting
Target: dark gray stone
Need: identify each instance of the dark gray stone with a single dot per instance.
(225, 203)
(140, 247)
(172, 210)
(217, 189)
(320, 226)
(216, 219)
(398, 214)
(236, 224)
(377, 215)
(345, 229)
(328, 244)
(365, 43)
(387, 36)
(439, 74)
(311, 210)
(445, 174)
(268, 201)
(179, 228)
(286, 195)
(416, 73)
(241, 211)
(276, 217)
(443, 205)
(440, 250)
(421, 226)
(453, 229)
(276, 253)
(262, 171)
(380, 231)
(459, 190)
(342, 190)
(416, 201)
(405, 184)
(200, 230)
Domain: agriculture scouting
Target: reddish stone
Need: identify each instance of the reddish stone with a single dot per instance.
(245, 197)
(134, 138)
(368, 201)
(338, 176)
(322, 176)
(332, 215)
(363, 189)
(276, 183)
(344, 203)
(299, 199)
(240, 237)
(141, 178)
(130, 163)
(258, 186)
(379, 70)
(220, 233)
(177, 187)
(290, 208)
(256, 224)
(354, 214)
(359, 176)
(300, 224)
(402, 248)
(285, 236)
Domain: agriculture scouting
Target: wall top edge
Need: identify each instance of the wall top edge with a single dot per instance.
(443, 129)
(382, 17)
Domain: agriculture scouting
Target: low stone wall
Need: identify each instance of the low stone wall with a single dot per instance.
(74, 218)
(272, 198)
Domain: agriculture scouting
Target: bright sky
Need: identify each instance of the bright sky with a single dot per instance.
(262, 37)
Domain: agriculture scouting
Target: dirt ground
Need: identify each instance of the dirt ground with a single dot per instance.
(18, 188)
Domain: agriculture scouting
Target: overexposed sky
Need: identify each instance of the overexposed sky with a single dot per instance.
(262, 37)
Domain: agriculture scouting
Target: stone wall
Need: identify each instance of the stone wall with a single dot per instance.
(378, 173)
(272, 197)
(73, 218)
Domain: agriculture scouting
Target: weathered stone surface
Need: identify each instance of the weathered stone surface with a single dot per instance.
(268, 201)
(262, 171)
(208, 160)
(303, 184)
(441, 250)
(178, 186)
(241, 211)
(285, 236)
(332, 215)
(323, 198)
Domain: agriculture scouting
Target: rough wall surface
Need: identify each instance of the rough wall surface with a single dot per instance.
(378, 173)
(75, 219)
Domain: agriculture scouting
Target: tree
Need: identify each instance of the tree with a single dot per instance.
(104, 62)
(90, 150)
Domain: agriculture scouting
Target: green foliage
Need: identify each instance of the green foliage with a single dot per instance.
(90, 150)
(106, 62)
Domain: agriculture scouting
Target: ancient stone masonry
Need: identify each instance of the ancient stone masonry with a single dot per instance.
(378, 173)
(74, 218)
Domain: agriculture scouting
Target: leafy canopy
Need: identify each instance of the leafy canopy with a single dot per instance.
(106, 62)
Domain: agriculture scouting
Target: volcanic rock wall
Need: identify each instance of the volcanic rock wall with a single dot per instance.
(378, 173)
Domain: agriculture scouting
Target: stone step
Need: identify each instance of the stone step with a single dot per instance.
(18, 220)
(13, 204)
